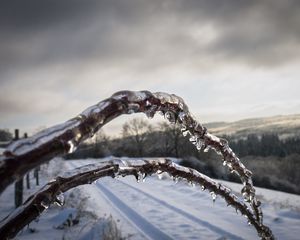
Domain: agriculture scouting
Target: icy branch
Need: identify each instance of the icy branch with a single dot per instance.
(64, 138)
(52, 191)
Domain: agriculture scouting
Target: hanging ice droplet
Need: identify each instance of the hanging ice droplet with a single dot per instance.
(159, 175)
(193, 139)
(248, 173)
(184, 131)
(247, 192)
(45, 203)
(144, 175)
(138, 177)
(206, 149)
(60, 199)
(161, 113)
(181, 116)
(258, 203)
(199, 144)
(151, 111)
(170, 116)
(202, 187)
(175, 179)
(191, 183)
(72, 146)
(213, 195)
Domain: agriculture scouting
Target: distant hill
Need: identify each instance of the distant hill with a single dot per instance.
(283, 125)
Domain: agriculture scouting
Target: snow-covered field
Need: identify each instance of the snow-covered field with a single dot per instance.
(154, 209)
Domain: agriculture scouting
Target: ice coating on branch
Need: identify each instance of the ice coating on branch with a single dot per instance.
(95, 108)
(70, 134)
(24, 145)
(131, 96)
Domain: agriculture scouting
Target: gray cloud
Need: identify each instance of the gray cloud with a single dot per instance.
(263, 33)
(48, 47)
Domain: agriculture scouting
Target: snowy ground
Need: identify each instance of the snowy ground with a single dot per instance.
(155, 209)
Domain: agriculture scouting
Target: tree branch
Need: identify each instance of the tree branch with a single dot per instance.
(37, 203)
(64, 138)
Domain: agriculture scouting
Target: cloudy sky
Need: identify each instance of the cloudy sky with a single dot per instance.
(228, 59)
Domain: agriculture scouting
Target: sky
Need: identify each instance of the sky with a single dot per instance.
(228, 59)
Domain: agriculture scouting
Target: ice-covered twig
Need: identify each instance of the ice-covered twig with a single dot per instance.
(64, 138)
(52, 191)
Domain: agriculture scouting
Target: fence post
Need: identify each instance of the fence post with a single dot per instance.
(36, 175)
(28, 174)
(19, 183)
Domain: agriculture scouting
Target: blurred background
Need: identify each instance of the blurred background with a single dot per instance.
(235, 63)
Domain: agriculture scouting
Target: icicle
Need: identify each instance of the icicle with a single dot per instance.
(45, 203)
(213, 195)
(72, 146)
(175, 179)
(181, 116)
(140, 177)
(193, 139)
(206, 149)
(199, 144)
(258, 203)
(184, 131)
(150, 112)
(248, 173)
(248, 193)
(60, 199)
(144, 175)
(170, 116)
(191, 183)
(161, 113)
(159, 174)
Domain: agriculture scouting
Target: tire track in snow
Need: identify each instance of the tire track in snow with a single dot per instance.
(147, 228)
(142, 225)
(186, 214)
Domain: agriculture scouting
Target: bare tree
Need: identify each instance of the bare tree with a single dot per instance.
(172, 135)
(101, 144)
(137, 131)
(5, 135)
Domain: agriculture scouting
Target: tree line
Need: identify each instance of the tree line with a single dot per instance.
(140, 139)
(266, 145)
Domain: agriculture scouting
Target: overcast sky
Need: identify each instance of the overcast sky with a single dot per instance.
(228, 59)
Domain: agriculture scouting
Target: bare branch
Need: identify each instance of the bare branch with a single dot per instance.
(41, 200)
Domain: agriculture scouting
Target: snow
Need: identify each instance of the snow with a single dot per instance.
(154, 209)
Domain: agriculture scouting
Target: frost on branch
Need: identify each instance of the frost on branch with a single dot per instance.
(52, 192)
(64, 138)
